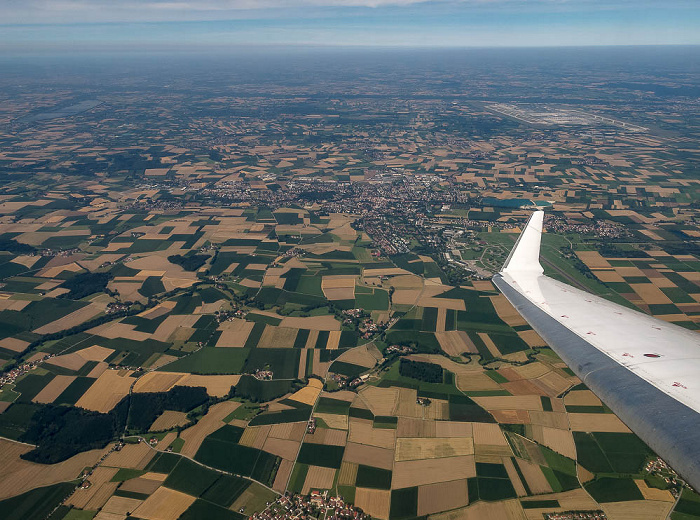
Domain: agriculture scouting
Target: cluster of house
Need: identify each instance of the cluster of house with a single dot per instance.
(345, 382)
(317, 503)
(263, 375)
(576, 515)
(113, 307)
(11, 375)
(399, 349)
(659, 468)
(311, 425)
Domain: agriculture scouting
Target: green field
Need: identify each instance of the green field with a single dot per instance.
(211, 360)
(321, 455)
(35, 504)
(370, 477)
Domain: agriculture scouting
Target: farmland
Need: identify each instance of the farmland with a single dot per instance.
(186, 284)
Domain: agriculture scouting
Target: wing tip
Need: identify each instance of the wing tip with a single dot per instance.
(525, 255)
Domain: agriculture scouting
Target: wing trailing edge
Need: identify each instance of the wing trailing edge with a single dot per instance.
(644, 369)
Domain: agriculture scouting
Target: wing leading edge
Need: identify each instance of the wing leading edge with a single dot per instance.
(646, 370)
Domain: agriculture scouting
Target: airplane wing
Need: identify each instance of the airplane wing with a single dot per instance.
(646, 370)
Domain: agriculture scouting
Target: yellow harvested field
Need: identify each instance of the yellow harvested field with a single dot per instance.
(510, 402)
(95, 353)
(338, 422)
(630, 271)
(347, 474)
(155, 476)
(362, 432)
(550, 419)
(531, 370)
(311, 340)
(71, 320)
(511, 416)
(291, 431)
(318, 478)
(581, 398)
(169, 419)
(277, 337)
(98, 370)
(442, 496)
(55, 388)
(374, 502)
(309, 393)
(536, 480)
(597, 422)
(171, 324)
(488, 433)
(211, 422)
(662, 495)
(283, 473)
(72, 361)
(441, 316)
(119, 330)
(491, 453)
(650, 293)
(234, 333)
(453, 429)
(283, 448)
(455, 342)
(514, 477)
(361, 356)
(417, 448)
(406, 296)
(107, 391)
(369, 455)
(490, 345)
(609, 275)
(561, 441)
(162, 360)
(327, 437)
(333, 340)
(428, 471)
(637, 510)
(157, 381)
(120, 506)
(311, 323)
(257, 436)
(405, 281)
(504, 510)
(593, 259)
(382, 401)
(345, 293)
(338, 281)
(21, 475)
(577, 499)
(166, 441)
(14, 344)
(385, 271)
(130, 456)
(414, 427)
(470, 381)
(483, 285)
(98, 493)
(442, 303)
(164, 504)
(583, 474)
(506, 311)
(216, 385)
(532, 338)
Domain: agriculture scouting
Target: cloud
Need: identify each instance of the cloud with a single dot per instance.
(96, 11)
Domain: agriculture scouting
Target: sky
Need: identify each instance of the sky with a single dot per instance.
(94, 24)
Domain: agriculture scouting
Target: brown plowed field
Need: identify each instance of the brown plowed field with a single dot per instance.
(442, 496)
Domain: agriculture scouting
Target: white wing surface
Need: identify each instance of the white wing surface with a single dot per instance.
(646, 370)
